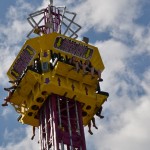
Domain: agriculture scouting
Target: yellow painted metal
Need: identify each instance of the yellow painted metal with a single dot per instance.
(34, 88)
(46, 42)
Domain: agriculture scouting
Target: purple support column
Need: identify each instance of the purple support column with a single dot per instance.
(61, 124)
(55, 120)
(81, 126)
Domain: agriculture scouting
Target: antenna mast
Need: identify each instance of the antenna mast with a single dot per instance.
(51, 2)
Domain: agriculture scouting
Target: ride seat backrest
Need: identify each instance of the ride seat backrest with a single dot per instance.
(66, 59)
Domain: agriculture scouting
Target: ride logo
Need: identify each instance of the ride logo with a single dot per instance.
(78, 49)
(22, 61)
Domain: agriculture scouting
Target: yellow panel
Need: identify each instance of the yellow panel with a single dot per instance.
(100, 99)
(70, 72)
(24, 88)
(62, 80)
(30, 120)
(34, 46)
(61, 85)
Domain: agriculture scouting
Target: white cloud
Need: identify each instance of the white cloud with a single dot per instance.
(19, 10)
(146, 81)
(134, 131)
(11, 34)
(126, 123)
(24, 144)
(6, 112)
(103, 15)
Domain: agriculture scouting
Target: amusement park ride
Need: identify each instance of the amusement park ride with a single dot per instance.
(54, 91)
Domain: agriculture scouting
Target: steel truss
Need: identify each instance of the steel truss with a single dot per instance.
(54, 19)
(61, 125)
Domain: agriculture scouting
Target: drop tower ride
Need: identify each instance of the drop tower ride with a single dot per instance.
(51, 94)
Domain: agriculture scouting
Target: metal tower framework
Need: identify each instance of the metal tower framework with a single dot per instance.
(61, 125)
(54, 19)
(54, 94)
(60, 118)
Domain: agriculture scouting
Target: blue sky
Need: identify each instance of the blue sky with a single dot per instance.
(121, 31)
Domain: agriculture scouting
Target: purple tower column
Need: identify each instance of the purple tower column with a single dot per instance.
(61, 126)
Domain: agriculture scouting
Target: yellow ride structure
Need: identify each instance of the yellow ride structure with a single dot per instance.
(44, 76)
(61, 79)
